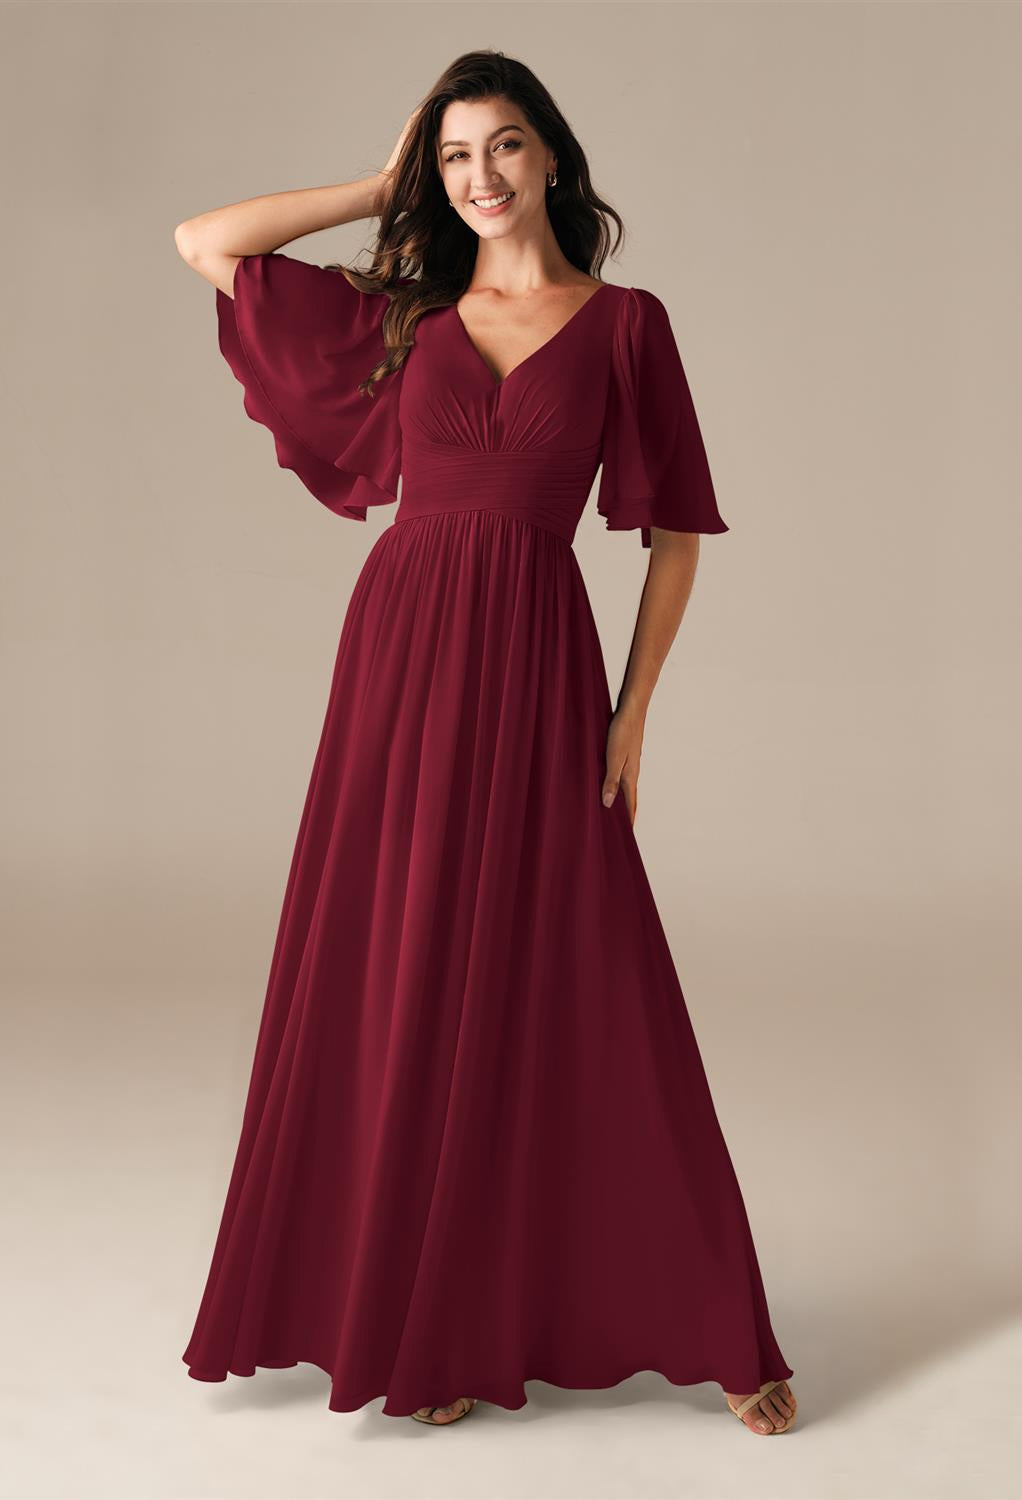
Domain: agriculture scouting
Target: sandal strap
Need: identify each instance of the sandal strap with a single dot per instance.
(751, 1401)
(469, 1403)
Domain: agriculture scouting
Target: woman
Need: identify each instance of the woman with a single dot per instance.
(478, 1146)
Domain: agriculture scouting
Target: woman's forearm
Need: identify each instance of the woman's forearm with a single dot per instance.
(664, 599)
(257, 226)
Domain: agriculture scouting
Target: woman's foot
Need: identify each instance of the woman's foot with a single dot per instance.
(441, 1415)
(774, 1413)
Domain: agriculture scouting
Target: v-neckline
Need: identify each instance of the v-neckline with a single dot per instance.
(500, 381)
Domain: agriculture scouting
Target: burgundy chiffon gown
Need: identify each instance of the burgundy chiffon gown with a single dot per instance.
(478, 1146)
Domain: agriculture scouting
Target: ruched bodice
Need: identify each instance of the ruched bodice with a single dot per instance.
(608, 388)
(547, 487)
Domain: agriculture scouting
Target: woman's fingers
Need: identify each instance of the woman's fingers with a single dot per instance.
(630, 790)
(621, 783)
(624, 749)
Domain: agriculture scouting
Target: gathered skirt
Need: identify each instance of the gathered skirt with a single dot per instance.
(478, 1145)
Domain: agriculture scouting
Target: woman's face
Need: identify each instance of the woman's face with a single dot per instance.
(485, 150)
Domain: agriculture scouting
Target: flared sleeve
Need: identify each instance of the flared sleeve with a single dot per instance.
(299, 338)
(655, 470)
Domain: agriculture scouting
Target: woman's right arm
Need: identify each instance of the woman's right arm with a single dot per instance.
(212, 243)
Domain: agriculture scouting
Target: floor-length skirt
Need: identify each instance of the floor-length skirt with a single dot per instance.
(478, 1146)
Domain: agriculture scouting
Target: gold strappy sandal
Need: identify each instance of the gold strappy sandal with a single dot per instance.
(751, 1401)
(426, 1415)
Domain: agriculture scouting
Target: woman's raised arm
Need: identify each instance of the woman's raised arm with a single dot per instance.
(212, 243)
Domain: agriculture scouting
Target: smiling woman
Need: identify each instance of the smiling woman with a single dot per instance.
(511, 149)
(470, 965)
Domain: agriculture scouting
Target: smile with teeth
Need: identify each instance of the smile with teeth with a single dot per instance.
(492, 202)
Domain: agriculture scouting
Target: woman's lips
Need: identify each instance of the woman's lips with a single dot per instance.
(490, 213)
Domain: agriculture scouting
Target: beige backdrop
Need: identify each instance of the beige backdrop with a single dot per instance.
(826, 197)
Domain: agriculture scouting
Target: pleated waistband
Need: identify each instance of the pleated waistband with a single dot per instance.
(548, 488)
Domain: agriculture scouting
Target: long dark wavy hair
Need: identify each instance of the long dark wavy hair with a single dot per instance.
(424, 254)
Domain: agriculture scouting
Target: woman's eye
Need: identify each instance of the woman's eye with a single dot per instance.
(455, 154)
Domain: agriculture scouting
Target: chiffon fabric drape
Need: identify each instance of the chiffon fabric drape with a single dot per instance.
(478, 1145)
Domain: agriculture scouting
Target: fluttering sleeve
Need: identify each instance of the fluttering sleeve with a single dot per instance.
(299, 338)
(655, 470)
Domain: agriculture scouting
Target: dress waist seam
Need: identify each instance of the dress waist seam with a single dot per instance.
(506, 512)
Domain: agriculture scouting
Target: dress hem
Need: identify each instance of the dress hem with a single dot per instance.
(511, 1399)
